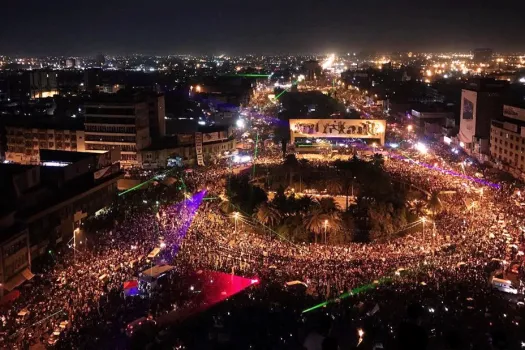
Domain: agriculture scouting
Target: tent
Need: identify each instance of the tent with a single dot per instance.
(131, 288)
(154, 253)
(156, 271)
(18, 279)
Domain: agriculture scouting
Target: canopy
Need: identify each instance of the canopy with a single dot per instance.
(293, 283)
(131, 284)
(154, 253)
(157, 270)
(18, 279)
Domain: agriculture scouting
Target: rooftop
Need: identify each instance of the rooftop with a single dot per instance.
(47, 155)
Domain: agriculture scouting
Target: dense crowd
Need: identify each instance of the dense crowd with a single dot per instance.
(80, 297)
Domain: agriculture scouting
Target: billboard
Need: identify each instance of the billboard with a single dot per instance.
(338, 128)
(514, 112)
(467, 124)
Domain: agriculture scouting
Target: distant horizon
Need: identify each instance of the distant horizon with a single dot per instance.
(283, 54)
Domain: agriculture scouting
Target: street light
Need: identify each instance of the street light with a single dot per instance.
(235, 217)
(75, 233)
(325, 226)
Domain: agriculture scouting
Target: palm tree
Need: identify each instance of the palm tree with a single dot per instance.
(434, 203)
(315, 222)
(328, 205)
(320, 222)
(267, 214)
(226, 206)
(305, 204)
(293, 228)
(417, 208)
(334, 186)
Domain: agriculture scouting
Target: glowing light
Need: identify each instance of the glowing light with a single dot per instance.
(240, 123)
(421, 147)
(410, 127)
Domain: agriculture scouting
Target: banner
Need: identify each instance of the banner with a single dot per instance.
(347, 128)
(198, 147)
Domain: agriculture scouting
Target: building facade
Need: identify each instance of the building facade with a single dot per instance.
(24, 143)
(183, 149)
(481, 102)
(117, 125)
(507, 141)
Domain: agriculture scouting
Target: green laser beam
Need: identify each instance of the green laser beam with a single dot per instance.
(282, 92)
(147, 182)
(354, 291)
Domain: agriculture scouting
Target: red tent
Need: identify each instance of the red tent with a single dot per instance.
(131, 284)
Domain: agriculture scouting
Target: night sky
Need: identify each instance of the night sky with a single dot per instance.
(36, 27)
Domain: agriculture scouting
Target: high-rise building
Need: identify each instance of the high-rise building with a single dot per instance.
(312, 70)
(117, 122)
(43, 83)
(157, 114)
(481, 101)
(482, 55)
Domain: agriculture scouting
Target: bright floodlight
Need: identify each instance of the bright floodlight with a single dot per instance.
(421, 147)
(240, 123)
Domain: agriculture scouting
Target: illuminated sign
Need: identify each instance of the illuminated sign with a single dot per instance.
(347, 128)
(514, 112)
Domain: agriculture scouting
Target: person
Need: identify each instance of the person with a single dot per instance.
(411, 335)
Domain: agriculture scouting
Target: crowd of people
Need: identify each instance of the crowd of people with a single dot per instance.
(79, 298)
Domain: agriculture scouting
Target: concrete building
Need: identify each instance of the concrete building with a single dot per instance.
(157, 115)
(26, 137)
(15, 256)
(507, 141)
(183, 149)
(117, 122)
(481, 101)
(312, 70)
(43, 83)
(42, 206)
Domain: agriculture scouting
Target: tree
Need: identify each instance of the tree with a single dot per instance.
(315, 222)
(226, 206)
(267, 214)
(305, 204)
(334, 186)
(417, 207)
(292, 166)
(328, 205)
(378, 160)
(319, 222)
(293, 229)
(434, 203)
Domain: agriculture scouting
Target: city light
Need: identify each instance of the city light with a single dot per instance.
(421, 147)
(240, 123)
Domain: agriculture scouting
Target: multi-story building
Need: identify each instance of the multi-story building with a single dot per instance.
(157, 115)
(43, 206)
(212, 142)
(26, 137)
(507, 141)
(15, 256)
(481, 102)
(43, 83)
(117, 122)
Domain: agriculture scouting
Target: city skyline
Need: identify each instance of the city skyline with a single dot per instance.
(290, 27)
